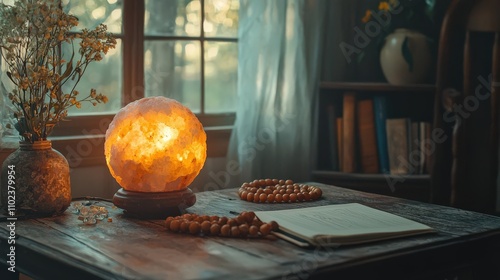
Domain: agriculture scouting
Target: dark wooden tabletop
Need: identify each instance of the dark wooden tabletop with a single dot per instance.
(126, 248)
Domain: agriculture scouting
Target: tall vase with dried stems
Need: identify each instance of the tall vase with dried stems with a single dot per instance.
(35, 178)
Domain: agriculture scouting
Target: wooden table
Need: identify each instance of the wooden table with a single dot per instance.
(466, 244)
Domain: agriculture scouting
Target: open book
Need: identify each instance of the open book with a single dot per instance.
(340, 224)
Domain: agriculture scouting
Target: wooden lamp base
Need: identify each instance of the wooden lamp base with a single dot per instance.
(154, 204)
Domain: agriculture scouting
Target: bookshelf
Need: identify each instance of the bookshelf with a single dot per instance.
(412, 102)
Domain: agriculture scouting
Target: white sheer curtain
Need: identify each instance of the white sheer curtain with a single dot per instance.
(278, 74)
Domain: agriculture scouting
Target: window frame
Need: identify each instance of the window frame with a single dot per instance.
(133, 56)
(83, 135)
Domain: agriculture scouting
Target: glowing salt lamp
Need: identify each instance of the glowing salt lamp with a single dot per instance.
(155, 147)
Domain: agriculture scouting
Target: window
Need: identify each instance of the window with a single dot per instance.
(189, 61)
(181, 58)
(182, 49)
(105, 76)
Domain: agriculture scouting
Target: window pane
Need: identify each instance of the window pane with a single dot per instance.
(6, 107)
(94, 12)
(172, 69)
(172, 17)
(221, 66)
(221, 18)
(105, 76)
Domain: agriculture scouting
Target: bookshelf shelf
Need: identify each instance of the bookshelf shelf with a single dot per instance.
(375, 87)
(410, 102)
(415, 187)
(373, 178)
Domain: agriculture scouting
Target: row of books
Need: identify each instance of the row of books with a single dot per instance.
(363, 139)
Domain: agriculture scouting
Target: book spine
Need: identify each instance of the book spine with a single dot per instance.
(380, 112)
(421, 146)
(425, 149)
(414, 155)
(397, 143)
(332, 129)
(366, 137)
(349, 133)
(340, 122)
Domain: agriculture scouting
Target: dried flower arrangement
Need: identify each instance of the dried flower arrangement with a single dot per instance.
(32, 33)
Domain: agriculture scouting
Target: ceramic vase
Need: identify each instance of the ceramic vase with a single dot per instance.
(415, 46)
(35, 180)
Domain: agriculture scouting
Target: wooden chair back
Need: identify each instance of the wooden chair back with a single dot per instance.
(466, 117)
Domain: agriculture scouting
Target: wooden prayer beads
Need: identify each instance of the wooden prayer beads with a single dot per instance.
(246, 224)
(278, 191)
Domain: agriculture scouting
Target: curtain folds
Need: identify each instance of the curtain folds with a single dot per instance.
(278, 74)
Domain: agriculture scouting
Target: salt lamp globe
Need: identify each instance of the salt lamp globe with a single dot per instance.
(154, 148)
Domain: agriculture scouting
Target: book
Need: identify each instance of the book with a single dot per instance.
(380, 112)
(340, 224)
(339, 121)
(366, 135)
(332, 133)
(425, 130)
(414, 147)
(397, 145)
(349, 163)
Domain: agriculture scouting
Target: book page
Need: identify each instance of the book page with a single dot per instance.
(343, 220)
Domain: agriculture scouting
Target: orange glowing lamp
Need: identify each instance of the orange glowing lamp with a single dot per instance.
(155, 147)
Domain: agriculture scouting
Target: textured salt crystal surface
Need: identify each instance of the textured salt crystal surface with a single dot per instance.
(155, 144)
